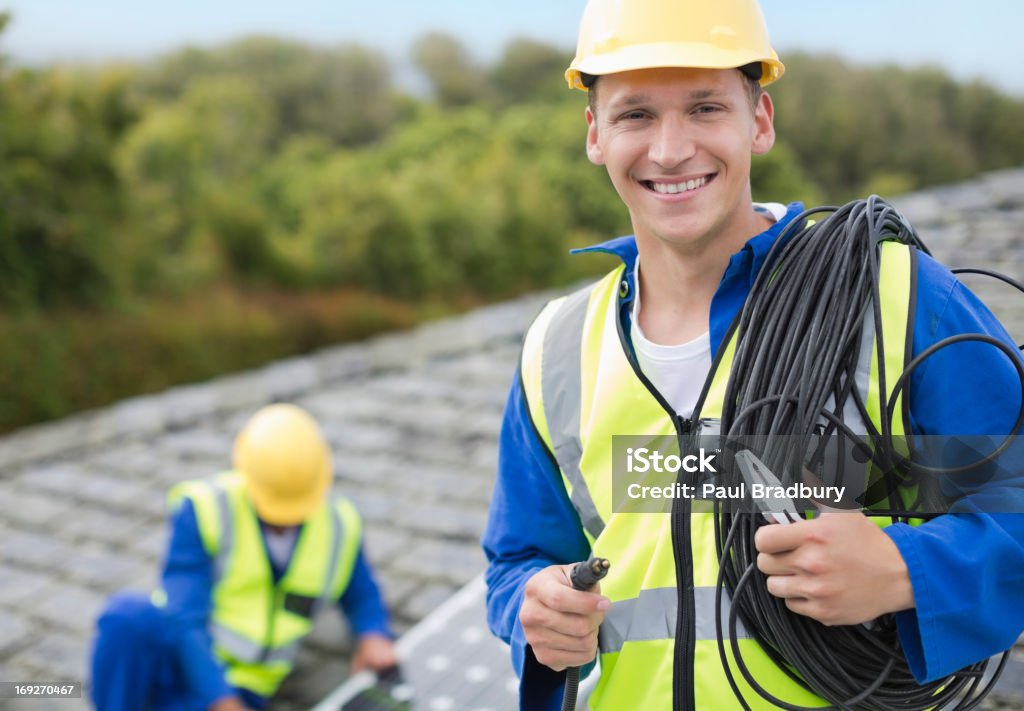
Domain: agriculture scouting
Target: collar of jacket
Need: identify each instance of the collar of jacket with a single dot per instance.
(732, 290)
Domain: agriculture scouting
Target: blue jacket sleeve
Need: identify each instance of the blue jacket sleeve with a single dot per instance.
(187, 580)
(967, 566)
(362, 601)
(531, 525)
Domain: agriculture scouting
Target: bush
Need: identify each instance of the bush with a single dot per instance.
(72, 360)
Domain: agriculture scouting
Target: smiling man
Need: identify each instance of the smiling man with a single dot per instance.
(677, 145)
(676, 110)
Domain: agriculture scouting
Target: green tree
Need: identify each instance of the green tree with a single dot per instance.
(344, 94)
(855, 128)
(190, 165)
(530, 71)
(456, 80)
(61, 206)
(778, 177)
(5, 19)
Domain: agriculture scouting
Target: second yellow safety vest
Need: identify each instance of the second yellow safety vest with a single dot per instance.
(257, 624)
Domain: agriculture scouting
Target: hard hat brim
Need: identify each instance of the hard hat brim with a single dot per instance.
(671, 54)
(272, 508)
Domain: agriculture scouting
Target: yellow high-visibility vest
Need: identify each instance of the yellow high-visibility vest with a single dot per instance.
(257, 625)
(582, 390)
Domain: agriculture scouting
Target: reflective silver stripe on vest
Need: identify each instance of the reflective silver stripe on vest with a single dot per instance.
(287, 653)
(241, 649)
(332, 568)
(235, 645)
(560, 388)
(861, 380)
(227, 532)
(652, 615)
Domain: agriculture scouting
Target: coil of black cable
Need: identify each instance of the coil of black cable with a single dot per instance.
(800, 334)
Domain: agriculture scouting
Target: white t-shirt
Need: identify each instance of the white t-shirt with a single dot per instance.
(678, 371)
(280, 545)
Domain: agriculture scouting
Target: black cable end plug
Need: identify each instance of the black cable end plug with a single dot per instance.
(586, 573)
(583, 576)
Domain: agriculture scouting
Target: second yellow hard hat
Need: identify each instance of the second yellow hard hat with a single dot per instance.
(286, 463)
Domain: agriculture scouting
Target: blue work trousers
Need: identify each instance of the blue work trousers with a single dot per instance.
(135, 663)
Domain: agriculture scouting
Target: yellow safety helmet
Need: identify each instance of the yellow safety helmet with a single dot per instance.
(286, 463)
(622, 35)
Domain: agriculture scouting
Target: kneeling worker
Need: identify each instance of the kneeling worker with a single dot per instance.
(254, 554)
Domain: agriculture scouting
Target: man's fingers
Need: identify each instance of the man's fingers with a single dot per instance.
(782, 586)
(554, 640)
(566, 641)
(776, 564)
(561, 660)
(560, 623)
(778, 538)
(552, 589)
(560, 651)
(567, 624)
(573, 602)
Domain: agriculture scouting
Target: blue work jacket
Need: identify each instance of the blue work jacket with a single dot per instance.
(188, 582)
(966, 567)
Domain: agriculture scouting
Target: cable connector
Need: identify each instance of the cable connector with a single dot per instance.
(583, 576)
(587, 573)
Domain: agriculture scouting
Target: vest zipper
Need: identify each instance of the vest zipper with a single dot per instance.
(268, 641)
(683, 689)
(686, 630)
(683, 693)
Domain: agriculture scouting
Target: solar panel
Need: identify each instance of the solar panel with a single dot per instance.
(449, 661)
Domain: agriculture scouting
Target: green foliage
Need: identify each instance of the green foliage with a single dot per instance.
(455, 79)
(529, 71)
(204, 211)
(5, 19)
(343, 94)
(189, 165)
(238, 226)
(61, 202)
(69, 360)
(456, 202)
(849, 127)
(778, 177)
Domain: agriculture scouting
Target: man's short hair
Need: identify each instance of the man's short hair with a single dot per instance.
(751, 74)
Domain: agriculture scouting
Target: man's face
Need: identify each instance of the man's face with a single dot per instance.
(677, 146)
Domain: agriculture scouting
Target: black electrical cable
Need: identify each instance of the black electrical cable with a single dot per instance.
(995, 275)
(904, 379)
(800, 332)
(583, 576)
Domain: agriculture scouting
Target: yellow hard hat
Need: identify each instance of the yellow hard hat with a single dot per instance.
(286, 463)
(622, 35)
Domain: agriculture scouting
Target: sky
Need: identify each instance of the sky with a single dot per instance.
(969, 38)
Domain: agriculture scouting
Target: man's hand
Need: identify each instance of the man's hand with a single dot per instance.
(560, 622)
(228, 703)
(839, 568)
(375, 652)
